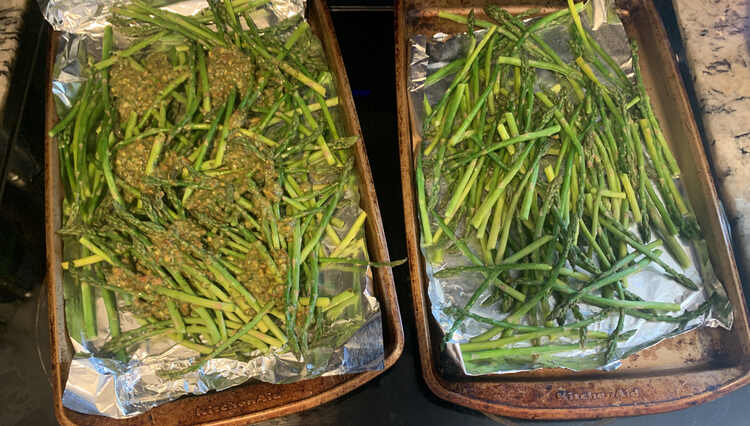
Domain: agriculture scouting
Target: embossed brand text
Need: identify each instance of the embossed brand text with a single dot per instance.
(230, 406)
(586, 396)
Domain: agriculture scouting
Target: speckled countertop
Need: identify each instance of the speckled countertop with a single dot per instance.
(716, 35)
(11, 22)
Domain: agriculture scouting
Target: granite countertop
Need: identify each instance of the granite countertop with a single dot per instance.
(11, 23)
(716, 35)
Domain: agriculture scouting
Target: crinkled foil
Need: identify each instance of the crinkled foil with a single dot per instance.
(429, 55)
(90, 16)
(112, 388)
(117, 389)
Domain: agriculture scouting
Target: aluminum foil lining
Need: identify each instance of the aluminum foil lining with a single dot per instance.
(111, 388)
(429, 54)
(90, 16)
(119, 389)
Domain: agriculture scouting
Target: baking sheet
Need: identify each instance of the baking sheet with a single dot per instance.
(119, 389)
(445, 294)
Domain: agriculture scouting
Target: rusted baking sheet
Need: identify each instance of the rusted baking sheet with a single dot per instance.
(251, 402)
(680, 372)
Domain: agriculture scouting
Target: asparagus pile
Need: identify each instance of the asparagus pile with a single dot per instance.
(538, 186)
(205, 179)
